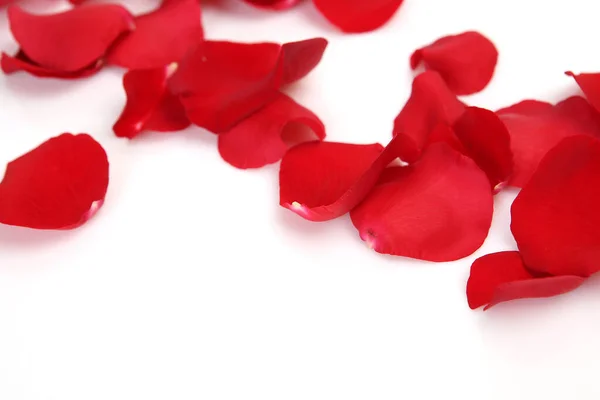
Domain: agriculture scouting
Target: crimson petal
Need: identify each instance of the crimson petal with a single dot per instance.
(72, 40)
(465, 61)
(300, 58)
(438, 209)
(357, 16)
(321, 181)
(257, 140)
(273, 4)
(150, 106)
(501, 277)
(20, 62)
(555, 217)
(161, 37)
(431, 103)
(58, 185)
(590, 85)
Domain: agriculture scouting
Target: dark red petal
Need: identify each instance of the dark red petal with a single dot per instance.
(487, 141)
(590, 85)
(72, 40)
(300, 58)
(324, 180)
(431, 103)
(534, 132)
(257, 140)
(58, 185)
(160, 37)
(150, 106)
(358, 15)
(465, 61)
(438, 209)
(500, 277)
(555, 217)
(20, 62)
(273, 4)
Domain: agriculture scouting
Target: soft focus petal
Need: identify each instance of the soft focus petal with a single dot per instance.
(438, 209)
(20, 62)
(257, 140)
(555, 217)
(273, 4)
(58, 185)
(357, 16)
(465, 61)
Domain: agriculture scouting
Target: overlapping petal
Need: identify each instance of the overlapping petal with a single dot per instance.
(590, 85)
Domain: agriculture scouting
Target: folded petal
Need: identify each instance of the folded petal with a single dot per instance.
(72, 40)
(257, 140)
(590, 85)
(321, 181)
(150, 105)
(431, 103)
(273, 4)
(536, 127)
(58, 185)
(501, 277)
(160, 37)
(465, 61)
(437, 209)
(355, 16)
(555, 217)
(20, 62)
(300, 58)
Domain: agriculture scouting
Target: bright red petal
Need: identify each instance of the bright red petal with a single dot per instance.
(487, 141)
(324, 180)
(431, 103)
(71, 40)
(257, 140)
(58, 185)
(300, 58)
(555, 217)
(357, 16)
(20, 62)
(500, 277)
(438, 209)
(150, 106)
(590, 85)
(160, 37)
(535, 128)
(273, 4)
(465, 61)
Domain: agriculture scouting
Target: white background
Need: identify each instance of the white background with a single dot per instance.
(192, 283)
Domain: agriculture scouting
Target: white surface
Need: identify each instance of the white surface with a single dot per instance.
(192, 283)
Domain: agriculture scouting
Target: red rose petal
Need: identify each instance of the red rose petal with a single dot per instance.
(555, 217)
(431, 103)
(590, 85)
(356, 16)
(324, 180)
(58, 185)
(501, 277)
(150, 105)
(465, 61)
(487, 141)
(534, 131)
(273, 4)
(72, 40)
(161, 37)
(438, 209)
(300, 58)
(257, 140)
(20, 62)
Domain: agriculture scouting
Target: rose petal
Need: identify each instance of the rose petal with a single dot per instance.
(273, 4)
(161, 37)
(257, 140)
(324, 180)
(555, 217)
(465, 61)
(72, 40)
(533, 131)
(20, 62)
(590, 85)
(487, 141)
(438, 209)
(58, 185)
(300, 58)
(431, 103)
(150, 106)
(357, 16)
(501, 277)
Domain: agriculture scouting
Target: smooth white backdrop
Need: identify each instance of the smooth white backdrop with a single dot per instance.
(192, 283)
